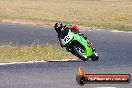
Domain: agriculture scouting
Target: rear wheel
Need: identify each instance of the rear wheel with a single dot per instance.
(79, 52)
(95, 56)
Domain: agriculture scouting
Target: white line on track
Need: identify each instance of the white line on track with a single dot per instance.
(91, 29)
(129, 32)
(21, 62)
(29, 62)
(87, 30)
(63, 60)
(105, 87)
(117, 31)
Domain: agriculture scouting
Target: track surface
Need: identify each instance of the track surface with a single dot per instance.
(114, 48)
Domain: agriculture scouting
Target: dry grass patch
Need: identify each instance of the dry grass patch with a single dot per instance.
(35, 52)
(115, 14)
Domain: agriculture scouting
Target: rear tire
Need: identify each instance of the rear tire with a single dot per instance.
(78, 51)
(95, 56)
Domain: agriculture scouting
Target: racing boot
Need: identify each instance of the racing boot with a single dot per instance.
(88, 41)
(90, 44)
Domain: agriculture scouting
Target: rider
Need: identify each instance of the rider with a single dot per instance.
(59, 28)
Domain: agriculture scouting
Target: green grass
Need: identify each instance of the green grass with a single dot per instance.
(35, 52)
(109, 14)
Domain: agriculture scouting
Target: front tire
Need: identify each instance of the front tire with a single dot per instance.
(95, 56)
(79, 52)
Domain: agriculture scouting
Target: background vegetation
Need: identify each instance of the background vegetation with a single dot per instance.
(109, 14)
(35, 52)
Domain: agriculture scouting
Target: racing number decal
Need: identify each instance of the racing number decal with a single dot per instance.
(66, 38)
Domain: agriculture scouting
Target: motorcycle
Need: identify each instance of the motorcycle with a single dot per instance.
(77, 45)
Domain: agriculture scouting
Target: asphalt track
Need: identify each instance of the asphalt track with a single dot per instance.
(114, 48)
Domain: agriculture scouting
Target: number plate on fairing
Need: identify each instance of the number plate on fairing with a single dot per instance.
(66, 39)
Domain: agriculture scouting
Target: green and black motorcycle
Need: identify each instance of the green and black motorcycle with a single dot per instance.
(77, 45)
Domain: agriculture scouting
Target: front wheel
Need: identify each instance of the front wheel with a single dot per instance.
(79, 52)
(95, 56)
